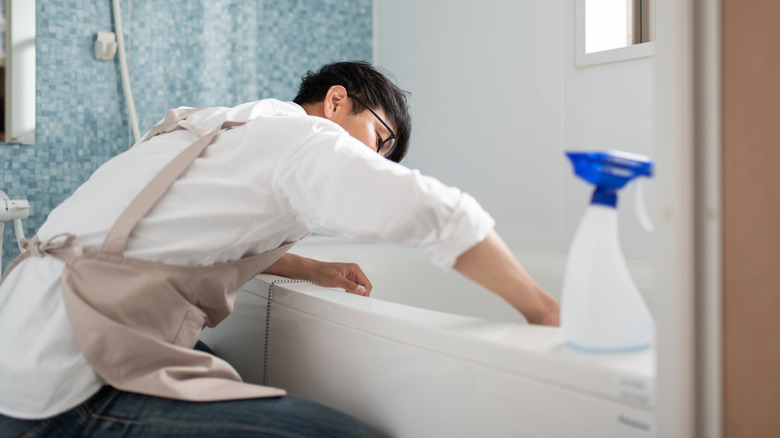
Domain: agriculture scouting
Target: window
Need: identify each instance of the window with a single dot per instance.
(614, 30)
(18, 72)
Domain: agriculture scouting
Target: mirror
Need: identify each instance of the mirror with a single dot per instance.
(17, 69)
(614, 30)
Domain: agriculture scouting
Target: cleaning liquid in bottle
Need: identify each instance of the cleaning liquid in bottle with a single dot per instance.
(601, 308)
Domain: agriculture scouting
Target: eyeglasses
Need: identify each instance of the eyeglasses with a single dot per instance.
(386, 146)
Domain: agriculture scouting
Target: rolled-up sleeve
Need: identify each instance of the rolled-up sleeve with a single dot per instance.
(335, 185)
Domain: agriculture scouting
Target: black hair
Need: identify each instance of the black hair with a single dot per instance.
(368, 84)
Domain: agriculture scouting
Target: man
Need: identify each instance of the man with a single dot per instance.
(99, 315)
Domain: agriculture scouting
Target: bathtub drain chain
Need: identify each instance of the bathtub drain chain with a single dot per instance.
(268, 321)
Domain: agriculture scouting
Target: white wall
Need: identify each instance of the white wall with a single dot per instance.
(487, 103)
(497, 98)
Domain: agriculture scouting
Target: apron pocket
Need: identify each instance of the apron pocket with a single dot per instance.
(191, 326)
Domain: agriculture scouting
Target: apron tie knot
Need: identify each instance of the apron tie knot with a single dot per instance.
(35, 247)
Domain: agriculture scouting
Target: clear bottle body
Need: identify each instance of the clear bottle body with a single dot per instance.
(602, 310)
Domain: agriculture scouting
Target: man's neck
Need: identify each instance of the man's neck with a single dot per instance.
(313, 109)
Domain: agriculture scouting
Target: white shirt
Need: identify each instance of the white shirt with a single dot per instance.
(278, 177)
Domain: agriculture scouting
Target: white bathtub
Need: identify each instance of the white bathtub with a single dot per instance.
(414, 372)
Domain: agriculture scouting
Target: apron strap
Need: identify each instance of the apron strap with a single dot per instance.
(171, 121)
(117, 236)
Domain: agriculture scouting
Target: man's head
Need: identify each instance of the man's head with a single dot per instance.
(360, 99)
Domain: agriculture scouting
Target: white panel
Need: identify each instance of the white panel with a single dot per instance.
(414, 373)
(412, 393)
(487, 103)
(676, 282)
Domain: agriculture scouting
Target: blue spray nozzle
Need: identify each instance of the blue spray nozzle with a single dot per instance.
(609, 171)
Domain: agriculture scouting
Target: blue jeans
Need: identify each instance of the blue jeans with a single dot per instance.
(112, 412)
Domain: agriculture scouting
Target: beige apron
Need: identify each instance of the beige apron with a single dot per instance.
(136, 321)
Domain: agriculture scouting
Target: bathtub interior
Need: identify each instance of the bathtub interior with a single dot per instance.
(404, 276)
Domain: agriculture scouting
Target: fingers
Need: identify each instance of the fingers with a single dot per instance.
(356, 275)
(347, 276)
(357, 282)
(350, 286)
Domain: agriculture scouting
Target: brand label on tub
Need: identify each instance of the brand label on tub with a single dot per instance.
(635, 422)
(635, 390)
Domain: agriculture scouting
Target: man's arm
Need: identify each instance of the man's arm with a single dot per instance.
(491, 264)
(347, 276)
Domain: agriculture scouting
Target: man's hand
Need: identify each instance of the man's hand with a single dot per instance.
(347, 276)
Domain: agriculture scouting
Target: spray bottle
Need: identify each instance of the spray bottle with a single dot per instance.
(601, 307)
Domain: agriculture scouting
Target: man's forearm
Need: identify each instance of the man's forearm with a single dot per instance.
(290, 266)
(491, 264)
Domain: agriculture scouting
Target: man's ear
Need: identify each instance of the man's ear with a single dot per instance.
(335, 101)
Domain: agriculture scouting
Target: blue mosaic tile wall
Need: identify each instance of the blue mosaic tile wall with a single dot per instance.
(193, 52)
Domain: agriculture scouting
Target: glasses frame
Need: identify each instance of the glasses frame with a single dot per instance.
(385, 141)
